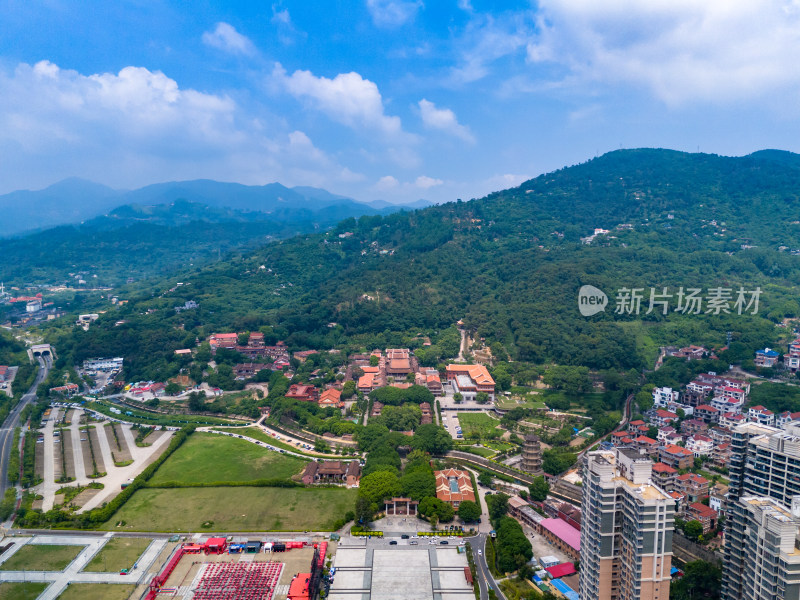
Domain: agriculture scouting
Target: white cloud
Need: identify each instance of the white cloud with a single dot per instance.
(387, 182)
(226, 38)
(425, 182)
(443, 119)
(393, 13)
(287, 32)
(680, 50)
(139, 126)
(347, 98)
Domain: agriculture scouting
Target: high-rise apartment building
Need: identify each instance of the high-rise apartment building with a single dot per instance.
(762, 556)
(626, 529)
(762, 559)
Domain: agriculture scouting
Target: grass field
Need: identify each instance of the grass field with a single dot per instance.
(21, 591)
(505, 403)
(234, 509)
(119, 553)
(97, 591)
(41, 557)
(206, 458)
(258, 434)
(477, 422)
(147, 418)
(479, 450)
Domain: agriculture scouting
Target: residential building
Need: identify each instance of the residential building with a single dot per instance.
(247, 370)
(68, 390)
(331, 397)
(618, 436)
(725, 405)
(734, 392)
(532, 454)
(664, 476)
(647, 446)
(761, 415)
(717, 497)
(731, 420)
(302, 392)
(782, 419)
(706, 515)
(367, 382)
(766, 357)
(791, 360)
(569, 514)
(332, 471)
(721, 454)
(676, 457)
(626, 529)
(664, 395)
(699, 388)
(719, 435)
(664, 432)
(454, 486)
(707, 413)
(223, 340)
(522, 512)
(700, 445)
(694, 487)
(689, 352)
(662, 418)
(762, 559)
(693, 427)
(469, 380)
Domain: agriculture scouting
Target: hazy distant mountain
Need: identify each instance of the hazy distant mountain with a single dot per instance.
(75, 200)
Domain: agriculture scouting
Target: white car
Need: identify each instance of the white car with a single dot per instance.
(480, 552)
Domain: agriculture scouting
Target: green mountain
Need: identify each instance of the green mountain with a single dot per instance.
(510, 265)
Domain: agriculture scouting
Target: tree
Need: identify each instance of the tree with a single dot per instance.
(539, 489)
(374, 361)
(485, 478)
(469, 511)
(197, 401)
(513, 547)
(364, 510)
(482, 398)
(418, 484)
(693, 530)
(432, 439)
(172, 389)
(348, 389)
(378, 486)
(321, 446)
(458, 397)
(700, 580)
(497, 505)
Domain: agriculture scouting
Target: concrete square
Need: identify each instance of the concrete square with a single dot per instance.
(449, 557)
(403, 574)
(350, 557)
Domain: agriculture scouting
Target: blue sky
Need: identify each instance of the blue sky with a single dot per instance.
(389, 99)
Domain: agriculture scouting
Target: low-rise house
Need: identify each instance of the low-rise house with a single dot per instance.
(664, 395)
(693, 426)
(721, 454)
(664, 432)
(674, 438)
(302, 355)
(618, 436)
(718, 497)
(664, 476)
(761, 415)
(725, 405)
(791, 360)
(332, 471)
(247, 370)
(733, 392)
(68, 390)
(731, 420)
(694, 487)
(223, 340)
(367, 382)
(786, 417)
(454, 486)
(302, 392)
(707, 413)
(719, 435)
(689, 352)
(680, 501)
(676, 457)
(700, 388)
(706, 515)
(700, 445)
(766, 357)
(331, 397)
(662, 418)
(647, 445)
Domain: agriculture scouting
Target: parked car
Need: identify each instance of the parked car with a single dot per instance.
(444, 542)
(404, 536)
(393, 543)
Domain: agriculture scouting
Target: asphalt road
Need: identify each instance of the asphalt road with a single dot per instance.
(12, 421)
(485, 579)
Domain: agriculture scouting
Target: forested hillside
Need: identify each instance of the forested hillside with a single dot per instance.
(510, 265)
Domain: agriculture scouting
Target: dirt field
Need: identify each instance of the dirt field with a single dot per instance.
(119, 445)
(87, 453)
(69, 459)
(38, 457)
(94, 432)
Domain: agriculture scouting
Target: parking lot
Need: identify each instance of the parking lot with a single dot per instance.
(73, 452)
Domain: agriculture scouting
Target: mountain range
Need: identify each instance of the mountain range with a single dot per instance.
(510, 266)
(76, 200)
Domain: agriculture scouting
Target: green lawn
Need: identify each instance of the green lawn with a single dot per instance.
(97, 591)
(119, 553)
(234, 509)
(147, 418)
(21, 591)
(479, 450)
(41, 557)
(206, 458)
(477, 422)
(258, 434)
(505, 403)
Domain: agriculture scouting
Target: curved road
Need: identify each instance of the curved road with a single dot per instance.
(12, 421)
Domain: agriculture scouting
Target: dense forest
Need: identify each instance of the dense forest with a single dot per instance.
(510, 265)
